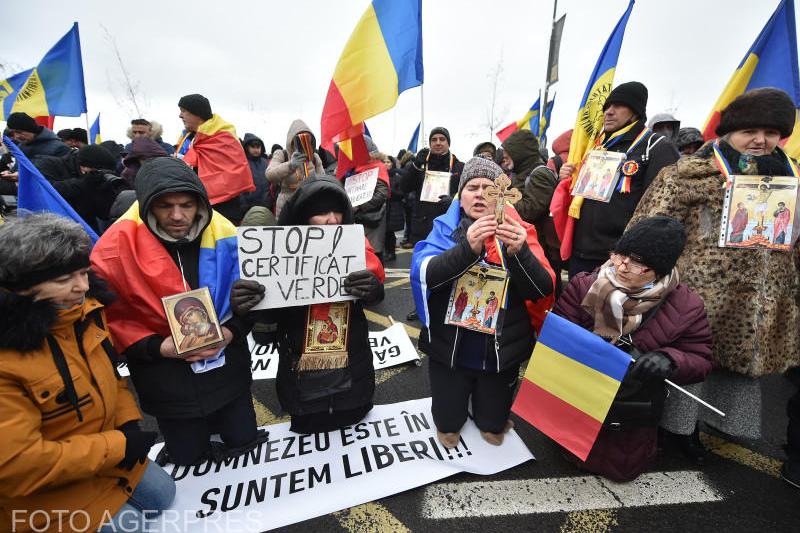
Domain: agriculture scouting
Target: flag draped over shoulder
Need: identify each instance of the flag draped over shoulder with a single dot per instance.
(36, 194)
(219, 158)
(382, 58)
(141, 272)
(564, 207)
(54, 87)
(570, 384)
(94, 131)
(529, 122)
(770, 62)
(440, 239)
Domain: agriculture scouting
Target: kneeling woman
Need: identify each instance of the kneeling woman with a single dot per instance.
(477, 340)
(636, 300)
(326, 389)
(70, 440)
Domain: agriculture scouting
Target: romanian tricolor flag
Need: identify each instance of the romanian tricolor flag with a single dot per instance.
(570, 383)
(770, 62)
(219, 158)
(382, 58)
(529, 122)
(94, 131)
(53, 87)
(564, 207)
(141, 272)
(545, 122)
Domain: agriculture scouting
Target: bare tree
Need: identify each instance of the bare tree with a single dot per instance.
(494, 117)
(131, 87)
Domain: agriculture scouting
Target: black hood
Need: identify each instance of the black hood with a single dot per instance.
(250, 137)
(523, 149)
(309, 192)
(163, 175)
(26, 322)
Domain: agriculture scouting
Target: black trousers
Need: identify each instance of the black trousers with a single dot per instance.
(451, 388)
(793, 431)
(187, 439)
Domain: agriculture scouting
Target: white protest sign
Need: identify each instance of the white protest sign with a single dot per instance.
(263, 359)
(300, 265)
(291, 477)
(360, 187)
(391, 347)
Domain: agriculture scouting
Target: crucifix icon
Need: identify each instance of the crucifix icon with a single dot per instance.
(500, 192)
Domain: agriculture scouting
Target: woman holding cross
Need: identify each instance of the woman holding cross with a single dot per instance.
(474, 244)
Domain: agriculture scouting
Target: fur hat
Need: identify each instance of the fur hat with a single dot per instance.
(196, 104)
(23, 122)
(760, 108)
(656, 242)
(442, 130)
(96, 156)
(478, 167)
(632, 94)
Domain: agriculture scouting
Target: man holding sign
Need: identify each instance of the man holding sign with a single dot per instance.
(325, 376)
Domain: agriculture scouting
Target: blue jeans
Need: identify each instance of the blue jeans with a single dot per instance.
(153, 494)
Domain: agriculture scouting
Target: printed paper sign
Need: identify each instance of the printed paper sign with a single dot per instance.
(361, 187)
(263, 359)
(291, 477)
(391, 347)
(301, 265)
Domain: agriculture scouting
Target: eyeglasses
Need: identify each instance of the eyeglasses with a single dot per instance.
(632, 266)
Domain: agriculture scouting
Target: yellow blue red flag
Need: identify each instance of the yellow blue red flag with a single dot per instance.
(94, 131)
(53, 87)
(770, 62)
(529, 122)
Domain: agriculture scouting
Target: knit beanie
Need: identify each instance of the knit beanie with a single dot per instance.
(632, 94)
(479, 167)
(23, 122)
(96, 156)
(442, 130)
(760, 108)
(78, 134)
(656, 242)
(196, 104)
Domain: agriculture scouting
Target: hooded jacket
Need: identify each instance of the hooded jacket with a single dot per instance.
(139, 151)
(258, 168)
(279, 171)
(291, 322)
(49, 458)
(45, 143)
(167, 387)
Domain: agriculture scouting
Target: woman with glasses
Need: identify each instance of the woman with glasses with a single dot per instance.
(636, 301)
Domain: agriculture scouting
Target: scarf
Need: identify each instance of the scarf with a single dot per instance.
(774, 164)
(618, 310)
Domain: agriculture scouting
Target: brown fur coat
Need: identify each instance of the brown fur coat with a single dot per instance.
(752, 297)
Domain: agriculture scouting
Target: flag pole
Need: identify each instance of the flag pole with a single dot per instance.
(422, 115)
(543, 104)
(88, 128)
(693, 397)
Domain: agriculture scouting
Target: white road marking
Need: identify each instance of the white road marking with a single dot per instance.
(555, 495)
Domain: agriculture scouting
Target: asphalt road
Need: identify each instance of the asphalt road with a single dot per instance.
(738, 489)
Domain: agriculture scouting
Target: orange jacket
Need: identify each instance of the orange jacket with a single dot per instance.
(49, 460)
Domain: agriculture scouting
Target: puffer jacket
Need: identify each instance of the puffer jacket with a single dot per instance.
(50, 459)
(45, 143)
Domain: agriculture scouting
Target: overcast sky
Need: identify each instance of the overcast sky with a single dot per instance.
(263, 64)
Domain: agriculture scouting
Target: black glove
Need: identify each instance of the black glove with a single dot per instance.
(137, 444)
(651, 366)
(421, 157)
(445, 200)
(364, 285)
(245, 294)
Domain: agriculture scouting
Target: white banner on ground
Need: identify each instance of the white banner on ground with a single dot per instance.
(291, 478)
(361, 187)
(300, 265)
(391, 347)
(263, 359)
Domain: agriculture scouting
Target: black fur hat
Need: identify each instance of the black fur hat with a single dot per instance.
(760, 108)
(656, 242)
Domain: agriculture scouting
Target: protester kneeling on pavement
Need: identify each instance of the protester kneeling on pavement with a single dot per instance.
(636, 300)
(481, 357)
(324, 391)
(71, 440)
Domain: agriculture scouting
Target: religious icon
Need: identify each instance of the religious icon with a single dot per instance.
(435, 185)
(325, 343)
(477, 298)
(192, 320)
(758, 212)
(599, 175)
(500, 193)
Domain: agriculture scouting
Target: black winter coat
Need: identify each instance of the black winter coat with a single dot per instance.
(425, 212)
(45, 143)
(258, 168)
(602, 224)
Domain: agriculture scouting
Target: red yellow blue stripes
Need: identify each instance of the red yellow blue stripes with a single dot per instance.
(382, 58)
(570, 383)
(529, 122)
(770, 62)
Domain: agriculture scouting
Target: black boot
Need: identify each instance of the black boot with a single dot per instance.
(688, 445)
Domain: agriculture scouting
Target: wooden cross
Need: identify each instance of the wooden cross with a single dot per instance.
(499, 191)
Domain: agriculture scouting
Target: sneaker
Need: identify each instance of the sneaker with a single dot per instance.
(790, 472)
(412, 316)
